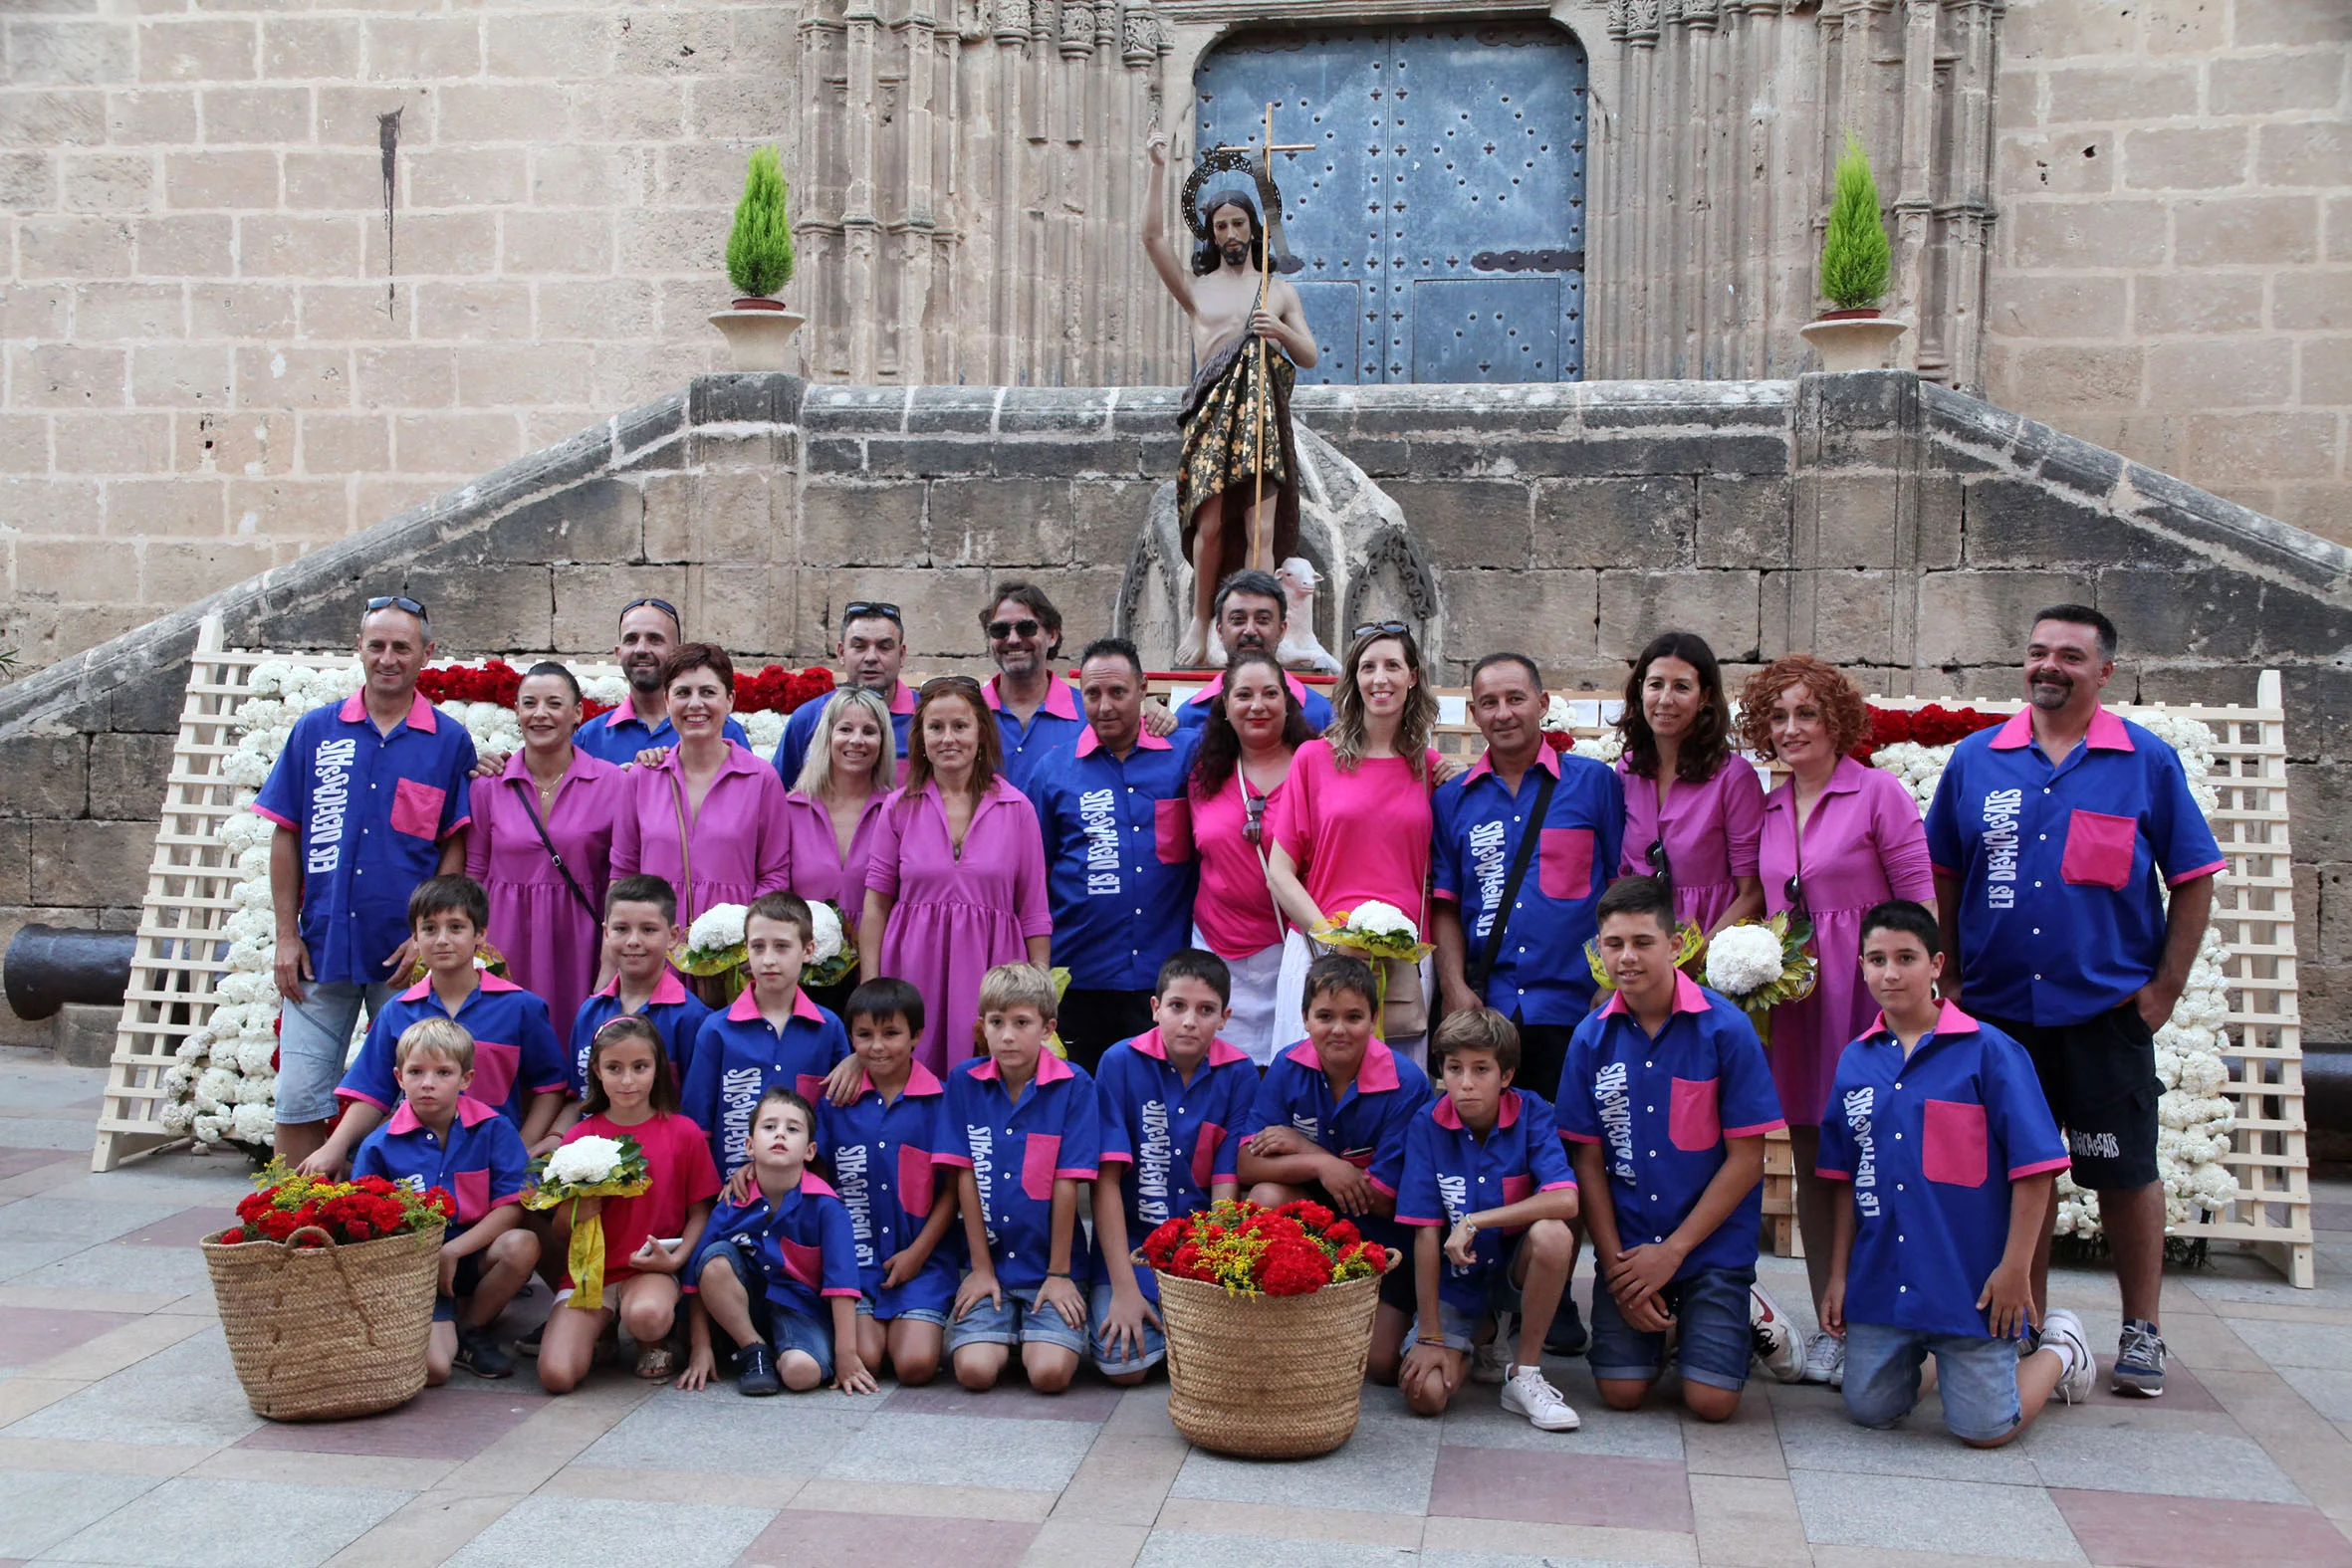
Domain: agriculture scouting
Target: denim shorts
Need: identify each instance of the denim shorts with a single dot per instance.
(315, 1044)
(790, 1329)
(1018, 1322)
(865, 1308)
(1460, 1327)
(1109, 1363)
(467, 1280)
(1977, 1377)
(1712, 1343)
(755, 1289)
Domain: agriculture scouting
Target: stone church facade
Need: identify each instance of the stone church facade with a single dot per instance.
(276, 270)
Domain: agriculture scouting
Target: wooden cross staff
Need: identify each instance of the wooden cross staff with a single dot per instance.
(1265, 285)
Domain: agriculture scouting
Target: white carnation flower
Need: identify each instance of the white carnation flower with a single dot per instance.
(825, 945)
(1605, 746)
(1742, 959)
(253, 1057)
(196, 1048)
(1375, 919)
(244, 830)
(583, 1162)
(254, 1124)
(268, 678)
(179, 1080)
(609, 690)
(246, 985)
(765, 730)
(716, 928)
(252, 958)
(179, 1118)
(216, 1089)
(245, 770)
(256, 1088)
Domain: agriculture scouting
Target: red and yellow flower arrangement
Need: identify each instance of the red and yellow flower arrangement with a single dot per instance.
(1292, 1250)
(773, 689)
(366, 1210)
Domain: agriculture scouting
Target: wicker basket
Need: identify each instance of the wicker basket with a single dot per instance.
(1267, 1377)
(321, 1332)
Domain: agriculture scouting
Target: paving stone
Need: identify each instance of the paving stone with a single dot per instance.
(972, 1451)
(1565, 1487)
(27, 1334)
(2322, 1345)
(719, 1428)
(1386, 1467)
(1823, 1439)
(188, 1228)
(186, 1394)
(1478, 1420)
(39, 1508)
(448, 1423)
(1967, 1518)
(944, 1395)
(192, 1523)
(529, 1534)
(2188, 1465)
(2329, 1393)
(807, 1538)
(1193, 1549)
(2177, 1533)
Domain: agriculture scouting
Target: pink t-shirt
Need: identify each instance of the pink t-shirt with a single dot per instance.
(1234, 907)
(1357, 836)
(678, 1159)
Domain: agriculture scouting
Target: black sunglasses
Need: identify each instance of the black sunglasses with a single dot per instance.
(664, 605)
(397, 602)
(1386, 629)
(1794, 888)
(940, 683)
(999, 630)
(1254, 828)
(867, 609)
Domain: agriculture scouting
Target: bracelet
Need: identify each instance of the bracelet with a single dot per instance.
(1438, 1340)
(1065, 1274)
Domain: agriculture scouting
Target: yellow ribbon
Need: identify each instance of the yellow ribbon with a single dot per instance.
(586, 1261)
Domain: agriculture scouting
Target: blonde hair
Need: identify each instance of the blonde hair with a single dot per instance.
(438, 1038)
(817, 765)
(1413, 724)
(1009, 986)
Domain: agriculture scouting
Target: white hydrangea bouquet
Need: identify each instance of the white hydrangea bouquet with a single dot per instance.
(1385, 937)
(713, 953)
(832, 957)
(587, 1167)
(1762, 964)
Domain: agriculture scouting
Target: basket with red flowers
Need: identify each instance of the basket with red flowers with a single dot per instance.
(1268, 1322)
(326, 1293)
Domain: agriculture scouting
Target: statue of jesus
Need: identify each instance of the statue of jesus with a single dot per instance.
(1237, 426)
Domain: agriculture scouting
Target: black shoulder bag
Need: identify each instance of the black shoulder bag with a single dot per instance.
(1510, 884)
(531, 808)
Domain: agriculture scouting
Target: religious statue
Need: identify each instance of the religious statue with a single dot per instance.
(1237, 489)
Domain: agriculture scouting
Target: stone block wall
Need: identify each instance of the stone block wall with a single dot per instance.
(1900, 528)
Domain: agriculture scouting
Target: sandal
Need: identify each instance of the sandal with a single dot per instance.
(655, 1361)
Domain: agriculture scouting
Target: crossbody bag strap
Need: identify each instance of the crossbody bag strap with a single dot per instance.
(531, 808)
(1510, 884)
(685, 855)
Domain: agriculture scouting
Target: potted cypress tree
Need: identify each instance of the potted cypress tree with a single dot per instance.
(759, 328)
(1852, 336)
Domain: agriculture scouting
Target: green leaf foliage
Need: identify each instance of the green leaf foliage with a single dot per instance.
(1854, 252)
(760, 247)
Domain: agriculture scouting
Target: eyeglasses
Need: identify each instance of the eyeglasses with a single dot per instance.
(944, 683)
(1384, 628)
(664, 605)
(1254, 828)
(999, 630)
(867, 610)
(1794, 888)
(396, 601)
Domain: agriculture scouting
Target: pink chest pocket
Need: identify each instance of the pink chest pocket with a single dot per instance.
(416, 809)
(1171, 830)
(495, 1068)
(914, 1180)
(1518, 1188)
(2099, 849)
(1952, 1143)
(809, 1086)
(1203, 1154)
(803, 1263)
(472, 1195)
(1693, 1122)
(1564, 862)
(1039, 1152)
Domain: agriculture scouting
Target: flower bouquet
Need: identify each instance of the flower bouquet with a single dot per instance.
(486, 959)
(832, 957)
(1385, 937)
(587, 1167)
(326, 1293)
(713, 956)
(1690, 943)
(1258, 1300)
(1761, 963)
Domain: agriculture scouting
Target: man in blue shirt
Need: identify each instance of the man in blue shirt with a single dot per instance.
(2050, 835)
(1119, 872)
(871, 652)
(1252, 613)
(370, 798)
(1034, 712)
(1537, 975)
(650, 631)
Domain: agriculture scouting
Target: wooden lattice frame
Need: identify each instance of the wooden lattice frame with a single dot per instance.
(175, 961)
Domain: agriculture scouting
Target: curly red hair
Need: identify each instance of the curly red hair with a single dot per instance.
(1842, 705)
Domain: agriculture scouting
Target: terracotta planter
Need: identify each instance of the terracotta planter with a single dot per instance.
(759, 334)
(1853, 339)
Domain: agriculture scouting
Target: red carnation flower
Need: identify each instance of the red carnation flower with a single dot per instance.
(1293, 1269)
(1342, 1233)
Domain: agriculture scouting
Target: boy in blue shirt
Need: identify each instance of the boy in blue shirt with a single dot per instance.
(878, 1147)
(773, 1034)
(641, 928)
(1170, 1100)
(1666, 1097)
(1484, 1161)
(441, 1137)
(518, 1064)
(1021, 1127)
(1938, 1125)
(774, 1264)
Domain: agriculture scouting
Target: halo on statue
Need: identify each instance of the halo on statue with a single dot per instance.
(1268, 207)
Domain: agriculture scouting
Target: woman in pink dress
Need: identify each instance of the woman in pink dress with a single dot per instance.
(834, 806)
(1840, 836)
(542, 846)
(955, 881)
(708, 816)
(1254, 730)
(1693, 810)
(1354, 824)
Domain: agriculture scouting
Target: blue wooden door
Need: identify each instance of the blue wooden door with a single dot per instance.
(1441, 218)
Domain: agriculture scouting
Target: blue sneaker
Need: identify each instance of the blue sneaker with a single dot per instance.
(2139, 1360)
(756, 1371)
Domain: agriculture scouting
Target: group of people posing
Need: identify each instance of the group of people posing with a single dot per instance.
(834, 1173)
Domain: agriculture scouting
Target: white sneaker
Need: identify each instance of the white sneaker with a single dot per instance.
(1779, 1346)
(1825, 1361)
(2061, 1331)
(1490, 1363)
(1528, 1393)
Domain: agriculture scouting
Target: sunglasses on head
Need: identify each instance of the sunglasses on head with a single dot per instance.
(1384, 628)
(664, 605)
(396, 601)
(944, 683)
(870, 609)
(999, 630)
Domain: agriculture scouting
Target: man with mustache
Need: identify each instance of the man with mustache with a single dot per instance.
(650, 629)
(2048, 836)
(1239, 505)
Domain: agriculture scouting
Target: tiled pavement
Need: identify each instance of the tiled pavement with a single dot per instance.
(124, 1439)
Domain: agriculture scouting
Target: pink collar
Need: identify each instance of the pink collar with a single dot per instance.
(582, 766)
(1688, 997)
(747, 1007)
(920, 1081)
(1062, 699)
(737, 760)
(667, 990)
(1949, 1020)
(1506, 1112)
(1150, 1044)
(1089, 743)
(1848, 777)
(1375, 1074)
(420, 712)
(2107, 732)
(470, 1113)
(483, 980)
(1050, 1069)
(1546, 756)
(902, 698)
(816, 1186)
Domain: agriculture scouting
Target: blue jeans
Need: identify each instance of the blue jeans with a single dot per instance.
(1019, 1321)
(314, 1044)
(1113, 1363)
(1712, 1342)
(1977, 1377)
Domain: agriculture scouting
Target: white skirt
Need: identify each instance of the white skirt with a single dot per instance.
(1251, 1029)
